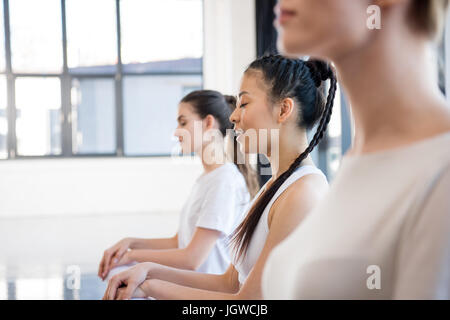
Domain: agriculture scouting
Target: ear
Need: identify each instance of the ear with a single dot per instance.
(287, 106)
(209, 122)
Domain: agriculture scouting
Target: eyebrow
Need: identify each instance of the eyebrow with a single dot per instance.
(242, 93)
(179, 117)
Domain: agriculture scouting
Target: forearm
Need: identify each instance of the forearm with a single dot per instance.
(159, 243)
(212, 282)
(177, 258)
(163, 290)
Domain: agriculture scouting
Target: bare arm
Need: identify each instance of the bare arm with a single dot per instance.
(113, 255)
(224, 285)
(157, 243)
(290, 209)
(191, 257)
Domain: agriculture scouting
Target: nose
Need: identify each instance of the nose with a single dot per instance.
(234, 117)
(176, 132)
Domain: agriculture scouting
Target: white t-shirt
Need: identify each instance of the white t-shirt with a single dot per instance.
(381, 232)
(217, 201)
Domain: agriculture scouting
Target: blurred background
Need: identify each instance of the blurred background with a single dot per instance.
(88, 101)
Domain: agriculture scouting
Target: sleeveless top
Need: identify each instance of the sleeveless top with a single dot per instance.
(245, 264)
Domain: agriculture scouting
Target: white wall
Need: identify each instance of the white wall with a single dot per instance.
(230, 42)
(95, 186)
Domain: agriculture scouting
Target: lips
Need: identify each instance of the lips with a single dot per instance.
(284, 15)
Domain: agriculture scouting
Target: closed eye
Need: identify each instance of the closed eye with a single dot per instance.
(243, 105)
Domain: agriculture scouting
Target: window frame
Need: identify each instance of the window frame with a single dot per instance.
(66, 78)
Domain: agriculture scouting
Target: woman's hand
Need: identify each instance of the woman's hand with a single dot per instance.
(127, 283)
(122, 295)
(126, 259)
(112, 256)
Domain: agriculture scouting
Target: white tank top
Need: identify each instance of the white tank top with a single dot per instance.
(246, 263)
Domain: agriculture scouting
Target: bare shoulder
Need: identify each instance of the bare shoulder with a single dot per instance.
(299, 198)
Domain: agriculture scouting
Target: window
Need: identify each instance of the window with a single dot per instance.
(93, 116)
(142, 22)
(36, 44)
(167, 65)
(150, 112)
(91, 37)
(38, 125)
(95, 77)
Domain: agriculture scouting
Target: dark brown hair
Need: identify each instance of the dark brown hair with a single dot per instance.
(211, 102)
(302, 81)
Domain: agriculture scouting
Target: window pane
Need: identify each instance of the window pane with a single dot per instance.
(93, 116)
(3, 119)
(150, 34)
(38, 102)
(36, 40)
(2, 40)
(91, 37)
(150, 112)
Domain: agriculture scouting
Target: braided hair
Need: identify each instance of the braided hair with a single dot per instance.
(303, 82)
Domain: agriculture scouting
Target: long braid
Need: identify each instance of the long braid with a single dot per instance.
(318, 72)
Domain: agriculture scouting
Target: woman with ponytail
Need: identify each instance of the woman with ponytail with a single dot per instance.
(215, 205)
(279, 100)
(383, 229)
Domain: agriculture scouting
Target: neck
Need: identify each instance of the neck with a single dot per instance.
(213, 156)
(393, 95)
(288, 148)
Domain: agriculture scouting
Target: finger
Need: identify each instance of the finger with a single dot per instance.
(114, 284)
(107, 267)
(100, 267)
(121, 294)
(114, 260)
(129, 291)
(118, 294)
(120, 253)
(105, 295)
(106, 257)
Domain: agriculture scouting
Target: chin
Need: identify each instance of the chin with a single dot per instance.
(291, 47)
(294, 46)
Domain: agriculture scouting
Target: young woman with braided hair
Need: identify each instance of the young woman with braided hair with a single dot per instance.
(279, 95)
(383, 229)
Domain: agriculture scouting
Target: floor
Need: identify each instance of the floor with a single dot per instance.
(56, 257)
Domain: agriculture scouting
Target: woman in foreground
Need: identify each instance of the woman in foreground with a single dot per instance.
(383, 230)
